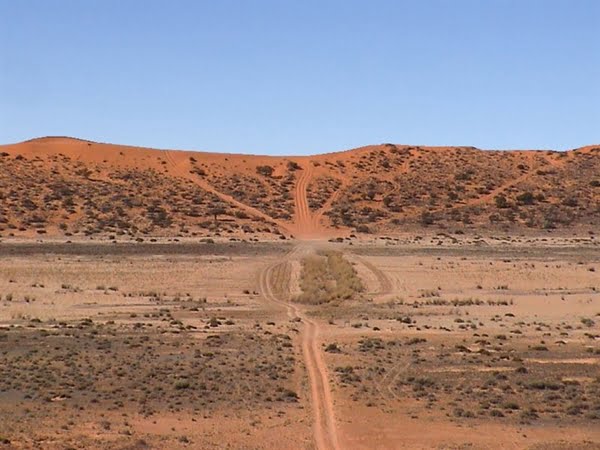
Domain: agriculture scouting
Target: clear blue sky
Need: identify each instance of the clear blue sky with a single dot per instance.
(299, 77)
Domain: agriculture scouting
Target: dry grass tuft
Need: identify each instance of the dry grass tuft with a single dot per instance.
(328, 277)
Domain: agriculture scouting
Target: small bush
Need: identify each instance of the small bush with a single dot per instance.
(333, 348)
(501, 201)
(182, 384)
(293, 166)
(266, 171)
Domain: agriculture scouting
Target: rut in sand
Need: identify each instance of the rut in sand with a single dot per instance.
(324, 426)
(178, 170)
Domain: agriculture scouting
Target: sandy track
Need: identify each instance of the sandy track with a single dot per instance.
(385, 284)
(182, 173)
(277, 275)
(325, 432)
(390, 379)
(303, 215)
(320, 213)
(506, 186)
(306, 223)
(502, 188)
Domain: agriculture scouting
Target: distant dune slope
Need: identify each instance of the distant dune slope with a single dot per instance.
(66, 186)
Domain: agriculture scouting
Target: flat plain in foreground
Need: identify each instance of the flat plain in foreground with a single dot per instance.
(205, 346)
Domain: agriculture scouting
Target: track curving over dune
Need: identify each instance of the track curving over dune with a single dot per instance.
(306, 223)
(182, 173)
(509, 184)
(388, 188)
(303, 214)
(322, 211)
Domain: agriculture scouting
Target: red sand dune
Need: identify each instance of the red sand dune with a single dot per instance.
(60, 185)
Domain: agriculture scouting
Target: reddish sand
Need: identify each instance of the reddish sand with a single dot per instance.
(369, 189)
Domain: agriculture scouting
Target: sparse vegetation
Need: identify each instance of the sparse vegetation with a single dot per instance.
(441, 319)
(328, 277)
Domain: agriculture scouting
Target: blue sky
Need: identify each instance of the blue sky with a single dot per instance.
(301, 77)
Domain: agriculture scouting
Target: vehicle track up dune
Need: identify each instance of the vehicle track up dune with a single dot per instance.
(182, 173)
(304, 220)
(320, 213)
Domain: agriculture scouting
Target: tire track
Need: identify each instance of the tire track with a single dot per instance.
(304, 220)
(489, 197)
(182, 173)
(396, 372)
(320, 213)
(385, 284)
(325, 432)
(389, 380)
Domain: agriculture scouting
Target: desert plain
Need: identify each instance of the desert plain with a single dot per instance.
(166, 300)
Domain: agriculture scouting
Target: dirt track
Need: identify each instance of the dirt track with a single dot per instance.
(307, 223)
(183, 173)
(325, 432)
(274, 275)
(385, 284)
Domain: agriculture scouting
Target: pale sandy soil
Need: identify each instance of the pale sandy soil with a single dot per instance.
(49, 290)
(531, 294)
(545, 293)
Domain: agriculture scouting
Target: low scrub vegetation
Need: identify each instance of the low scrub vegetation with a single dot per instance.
(328, 277)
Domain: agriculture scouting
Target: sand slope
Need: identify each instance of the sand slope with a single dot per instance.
(59, 185)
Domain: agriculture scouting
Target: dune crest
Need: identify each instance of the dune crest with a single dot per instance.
(68, 186)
